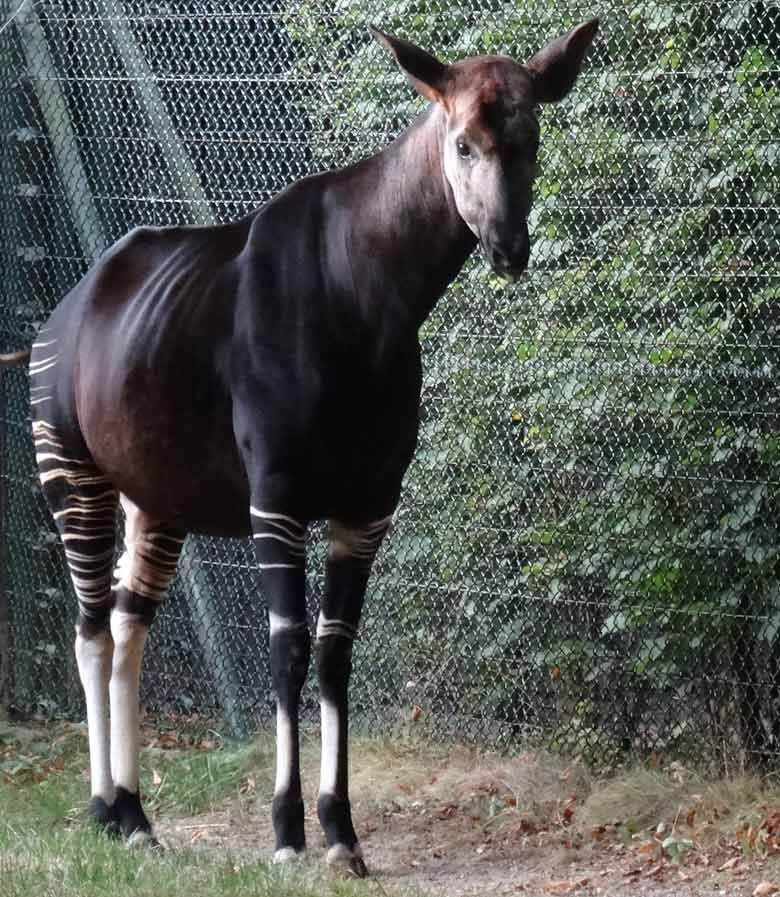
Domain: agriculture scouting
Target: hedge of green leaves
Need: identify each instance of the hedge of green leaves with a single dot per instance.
(586, 549)
(588, 542)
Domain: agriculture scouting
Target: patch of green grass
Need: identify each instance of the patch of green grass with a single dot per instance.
(186, 783)
(174, 782)
(83, 863)
(47, 849)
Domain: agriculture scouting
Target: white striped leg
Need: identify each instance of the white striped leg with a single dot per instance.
(143, 573)
(290, 649)
(280, 548)
(350, 554)
(280, 540)
(83, 504)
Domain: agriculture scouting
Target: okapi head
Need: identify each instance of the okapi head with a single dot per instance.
(490, 132)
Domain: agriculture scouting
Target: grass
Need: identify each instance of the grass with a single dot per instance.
(85, 864)
(46, 847)
(213, 797)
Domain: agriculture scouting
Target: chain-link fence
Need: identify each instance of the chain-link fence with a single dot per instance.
(587, 544)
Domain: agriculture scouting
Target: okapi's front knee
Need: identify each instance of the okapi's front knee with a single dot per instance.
(290, 651)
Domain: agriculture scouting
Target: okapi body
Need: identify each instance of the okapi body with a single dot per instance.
(250, 378)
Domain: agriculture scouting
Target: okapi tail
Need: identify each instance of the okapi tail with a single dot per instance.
(14, 358)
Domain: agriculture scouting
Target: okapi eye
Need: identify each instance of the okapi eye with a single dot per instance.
(464, 150)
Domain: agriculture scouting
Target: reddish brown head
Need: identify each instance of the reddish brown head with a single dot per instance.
(490, 134)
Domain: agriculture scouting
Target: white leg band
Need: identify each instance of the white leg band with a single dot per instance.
(329, 724)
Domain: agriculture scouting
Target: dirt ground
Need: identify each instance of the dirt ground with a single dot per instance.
(459, 821)
(420, 839)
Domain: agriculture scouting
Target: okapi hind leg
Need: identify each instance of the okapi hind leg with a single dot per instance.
(351, 552)
(84, 503)
(143, 574)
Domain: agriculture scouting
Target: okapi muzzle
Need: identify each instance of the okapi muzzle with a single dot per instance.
(508, 251)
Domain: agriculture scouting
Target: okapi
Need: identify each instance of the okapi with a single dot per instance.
(252, 377)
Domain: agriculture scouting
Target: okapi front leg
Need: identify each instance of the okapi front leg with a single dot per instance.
(351, 552)
(143, 575)
(279, 545)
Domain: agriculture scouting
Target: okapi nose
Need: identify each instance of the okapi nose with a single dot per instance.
(511, 254)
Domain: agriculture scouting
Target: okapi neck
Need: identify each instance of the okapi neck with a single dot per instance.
(409, 221)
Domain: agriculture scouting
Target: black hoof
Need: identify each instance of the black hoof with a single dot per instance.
(141, 840)
(132, 820)
(103, 817)
(346, 860)
(357, 867)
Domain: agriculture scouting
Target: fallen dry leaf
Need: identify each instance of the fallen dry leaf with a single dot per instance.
(729, 864)
(764, 888)
(656, 871)
(565, 886)
(156, 778)
(248, 786)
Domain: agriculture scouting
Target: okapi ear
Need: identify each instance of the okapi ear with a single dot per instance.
(428, 76)
(555, 68)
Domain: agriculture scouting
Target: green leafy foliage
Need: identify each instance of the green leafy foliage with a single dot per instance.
(588, 540)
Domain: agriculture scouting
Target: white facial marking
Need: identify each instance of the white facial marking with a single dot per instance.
(329, 725)
(93, 657)
(129, 638)
(485, 183)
